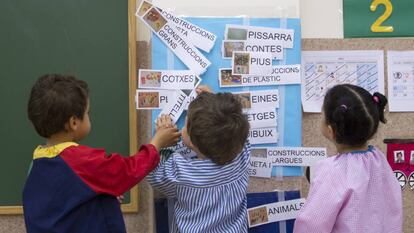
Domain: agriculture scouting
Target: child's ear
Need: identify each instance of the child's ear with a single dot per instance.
(72, 124)
(331, 133)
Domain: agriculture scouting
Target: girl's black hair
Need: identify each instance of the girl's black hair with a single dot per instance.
(353, 113)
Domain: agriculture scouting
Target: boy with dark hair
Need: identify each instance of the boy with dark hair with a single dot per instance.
(71, 187)
(209, 192)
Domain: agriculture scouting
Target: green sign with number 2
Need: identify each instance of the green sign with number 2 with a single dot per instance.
(378, 18)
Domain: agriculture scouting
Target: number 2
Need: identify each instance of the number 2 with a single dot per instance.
(376, 26)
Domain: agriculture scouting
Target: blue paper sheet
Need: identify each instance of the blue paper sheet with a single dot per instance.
(289, 113)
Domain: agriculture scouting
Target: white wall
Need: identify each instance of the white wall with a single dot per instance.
(320, 18)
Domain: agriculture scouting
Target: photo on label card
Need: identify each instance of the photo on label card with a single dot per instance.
(260, 152)
(399, 156)
(149, 79)
(241, 63)
(154, 19)
(412, 157)
(236, 34)
(258, 216)
(244, 99)
(227, 79)
(230, 46)
(148, 100)
(145, 6)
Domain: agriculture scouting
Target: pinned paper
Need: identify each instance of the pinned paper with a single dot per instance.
(261, 117)
(260, 167)
(182, 149)
(167, 79)
(251, 46)
(169, 34)
(275, 212)
(259, 99)
(263, 136)
(251, 63)
(175, 108)
(151, 99)
(280, 75)
(199, 37)
(284, 37)
(295, 156)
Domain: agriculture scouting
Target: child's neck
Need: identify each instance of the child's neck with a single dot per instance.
(58, 138)
(340, 148)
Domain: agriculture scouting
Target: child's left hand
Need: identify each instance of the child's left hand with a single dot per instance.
(163, 122)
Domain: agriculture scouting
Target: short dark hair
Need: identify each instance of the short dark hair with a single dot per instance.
(353, 113)
(217, 126)
(54, 99)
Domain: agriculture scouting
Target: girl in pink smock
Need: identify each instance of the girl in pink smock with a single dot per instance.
(354, 191)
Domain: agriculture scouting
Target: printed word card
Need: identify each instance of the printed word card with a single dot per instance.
(274, 212)
(167, 79)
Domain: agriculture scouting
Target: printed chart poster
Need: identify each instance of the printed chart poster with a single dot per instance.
(325, 69)
(288, 123)
(401, 81)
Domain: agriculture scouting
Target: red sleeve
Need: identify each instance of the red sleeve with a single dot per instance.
(112, 174)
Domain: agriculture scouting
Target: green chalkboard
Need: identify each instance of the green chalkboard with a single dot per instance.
(88, 39)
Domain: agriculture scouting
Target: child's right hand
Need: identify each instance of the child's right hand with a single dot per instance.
(203, 88)
(166, 134)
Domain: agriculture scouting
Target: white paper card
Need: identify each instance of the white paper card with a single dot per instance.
(251, 63)
(228, 46)
(261, 117)
(167, 79)
(401, 81)
(274, 212)
(263, 135)
(260, 167)
(176, 107)
(281, 75)
(168, 33)
(153, 99)
(199, 37)
(279, 36)
(325, 69)
(259, 99)
(295, 156)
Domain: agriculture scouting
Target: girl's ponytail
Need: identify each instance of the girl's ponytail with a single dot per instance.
(380, 101)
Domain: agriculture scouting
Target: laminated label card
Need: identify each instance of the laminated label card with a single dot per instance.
(263, 135)
(260, 167)
(277, 36)
(280, 75)
(259, 99)
(293, 156)
(153, 99)
(251, 46)
(167, 79)
(170, 36)
(251, 63)
(261, 117)
(274, 212)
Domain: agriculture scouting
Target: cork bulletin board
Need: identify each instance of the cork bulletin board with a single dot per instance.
(399, 125)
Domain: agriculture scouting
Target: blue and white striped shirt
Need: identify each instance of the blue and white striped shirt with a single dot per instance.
(207, 197)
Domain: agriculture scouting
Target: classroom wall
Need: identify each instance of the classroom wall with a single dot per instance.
(314, 25)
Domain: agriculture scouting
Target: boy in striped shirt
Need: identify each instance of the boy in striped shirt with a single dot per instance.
(209, 192)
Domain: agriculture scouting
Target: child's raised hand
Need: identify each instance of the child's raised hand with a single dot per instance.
(164, 121)
(166, 134)
(203, 88)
